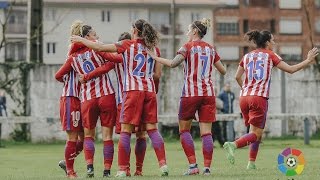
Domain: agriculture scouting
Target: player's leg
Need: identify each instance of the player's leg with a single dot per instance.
(158, 146)
(70, 152)
(207, 115)
(254, 147)
(140, 151)
(130, 116)
(150, 118)
(79, 146)
(108, 110)
(71, 122)
(187, 109)
(257, 127)
(90, 114)
(254, 111)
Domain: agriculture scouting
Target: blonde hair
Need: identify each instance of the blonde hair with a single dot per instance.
(201, 26)
(206, 22)
(76, 28)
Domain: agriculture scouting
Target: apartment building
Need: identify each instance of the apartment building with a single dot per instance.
(110, 18)
(286, 19)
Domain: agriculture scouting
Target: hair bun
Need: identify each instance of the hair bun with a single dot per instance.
(206, 22)
(76, 27)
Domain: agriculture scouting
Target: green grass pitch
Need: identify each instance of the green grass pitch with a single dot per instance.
(40, 162)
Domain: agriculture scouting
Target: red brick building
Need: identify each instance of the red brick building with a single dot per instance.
(286, 19)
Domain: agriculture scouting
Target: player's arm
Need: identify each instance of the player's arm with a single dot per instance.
(97, 72)
(219, 66)
(238, 76)
(97, 46)
(64, 69)
(171, 63)
(114, 57)
(297, 67)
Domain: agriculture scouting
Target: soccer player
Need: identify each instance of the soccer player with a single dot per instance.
(139, 96)
(141, 145)
(257, 68)
(70, 114)
(97, 99)
(199, 57)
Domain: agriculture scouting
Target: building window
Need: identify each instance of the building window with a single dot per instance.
(245, 25)
(133, 15)
(195, 16)
(15, 51)
(291, 53)
(17, 22)
(273, 26)
(228, 52)
(51, 48)
(228, 28)
(259, 3)
(50, 14)
(105, 16)
(290, 4)
(231, 3)
(290, 26)
(160, 20)
(317, 26)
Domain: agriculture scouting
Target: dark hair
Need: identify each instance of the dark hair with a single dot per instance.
(201, 26)
(147, 32)
(85, 29)
(124, 35)
(259, 38)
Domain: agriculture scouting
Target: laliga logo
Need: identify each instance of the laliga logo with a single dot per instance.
(291, 162)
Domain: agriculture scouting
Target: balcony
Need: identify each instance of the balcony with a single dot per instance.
(164, 29)
(16, 29)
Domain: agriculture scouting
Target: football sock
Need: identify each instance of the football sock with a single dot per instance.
(89, 149)
(79, 147)
(207, 149)
(245, 140)
(124, 150)
(140, 151)
(188, 146)
(108, 151)
(158, 145)
(69, 154)
(254, 148)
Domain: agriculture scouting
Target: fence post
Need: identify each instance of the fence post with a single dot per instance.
(230, 130)
(306, 131)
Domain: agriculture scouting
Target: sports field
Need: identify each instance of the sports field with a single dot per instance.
(40, 161)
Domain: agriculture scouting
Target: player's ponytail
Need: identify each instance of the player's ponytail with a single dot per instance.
(258, 38)
(201, 26)
(147, 32)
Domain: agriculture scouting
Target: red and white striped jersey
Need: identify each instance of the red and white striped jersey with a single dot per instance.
(119, 73)
(198, 65)
(71, 85)
(137, 65)
(258, 66)
(84, 61)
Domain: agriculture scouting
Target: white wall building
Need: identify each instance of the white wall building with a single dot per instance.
(110, 18)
